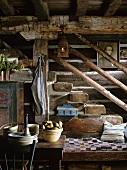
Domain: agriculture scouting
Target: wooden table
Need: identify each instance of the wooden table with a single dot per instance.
(52, 152)
(95, 159)
(95, 156)
(91, 152)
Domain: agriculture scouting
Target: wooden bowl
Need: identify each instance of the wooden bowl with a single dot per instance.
(52, 135)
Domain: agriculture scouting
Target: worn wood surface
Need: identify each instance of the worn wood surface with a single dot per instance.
(95, 156)
(112, 7)
(82, 6)
(36, 35)
(7, 8)
(11, 102)
(95, 165)
(41, 9)
(95, 24)
(40, 47)
(13, 52)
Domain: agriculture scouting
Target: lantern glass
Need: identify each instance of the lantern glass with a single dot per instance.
(63, 50)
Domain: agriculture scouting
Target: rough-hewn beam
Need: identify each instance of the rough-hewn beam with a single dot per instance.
(6, 7)
(15, 51)
(82, 6)
(85, 25)
(36, 35)
(41, 9)
(112, 7)
(39, 47)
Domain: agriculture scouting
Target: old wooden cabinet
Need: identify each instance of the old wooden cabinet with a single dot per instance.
(11, 102)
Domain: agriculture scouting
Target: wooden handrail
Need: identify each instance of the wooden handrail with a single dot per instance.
(89, 81)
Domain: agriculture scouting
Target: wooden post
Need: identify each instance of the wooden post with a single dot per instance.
(46, 69)
(90, 82)
(41, 47)
(98, 69)
(38, 48)
(104, 54)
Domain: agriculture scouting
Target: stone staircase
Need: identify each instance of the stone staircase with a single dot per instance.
(79, 99)
(67, 88)
(65, 92)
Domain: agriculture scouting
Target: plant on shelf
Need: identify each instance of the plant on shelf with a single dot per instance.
(5, 64)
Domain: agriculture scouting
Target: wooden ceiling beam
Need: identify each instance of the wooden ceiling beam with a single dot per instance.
(112, 7)
(12, 52)
(36, 35)
(41, 9)
(85, 25)
(7, 8)
(82, 6)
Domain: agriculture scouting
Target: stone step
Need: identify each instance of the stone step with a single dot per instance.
(79, 97)
(94, 109)
(62, 86)
(96, 95)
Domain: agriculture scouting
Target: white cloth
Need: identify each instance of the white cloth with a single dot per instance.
(38, 89)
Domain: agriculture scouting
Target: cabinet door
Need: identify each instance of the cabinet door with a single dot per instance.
(20, 103)
(11, 102)
(4, 105)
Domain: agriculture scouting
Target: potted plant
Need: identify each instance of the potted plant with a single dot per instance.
(6, 66)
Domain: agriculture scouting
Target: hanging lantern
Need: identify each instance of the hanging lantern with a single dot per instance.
(63, 48)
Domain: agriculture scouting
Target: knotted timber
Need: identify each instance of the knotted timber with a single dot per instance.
(90, 82)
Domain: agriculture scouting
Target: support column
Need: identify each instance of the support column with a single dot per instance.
(41, 47)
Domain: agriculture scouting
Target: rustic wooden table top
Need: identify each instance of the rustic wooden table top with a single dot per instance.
(58, 144)
(92, 149)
